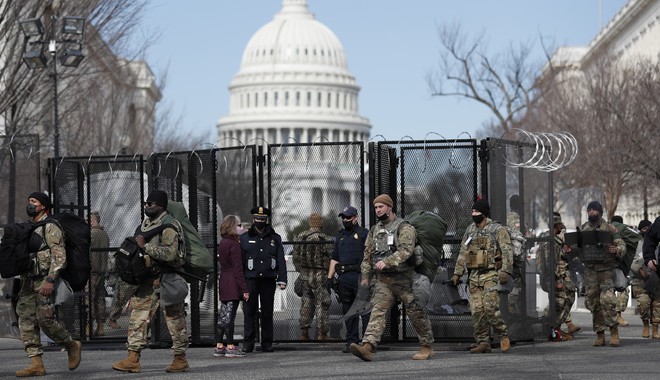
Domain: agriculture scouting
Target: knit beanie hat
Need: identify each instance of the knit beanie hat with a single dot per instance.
(384, 199)
(482, 206)
(158, 197)
(42, 198)
(595, 205)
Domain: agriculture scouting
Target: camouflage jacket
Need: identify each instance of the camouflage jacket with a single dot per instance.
(50, 260)
(168, 247)
(312, 255)
(562, 273)
(395, 252)
(610, 261)
(497, 234)
(100, 240)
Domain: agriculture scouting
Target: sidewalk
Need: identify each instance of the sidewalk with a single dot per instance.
(576, 359)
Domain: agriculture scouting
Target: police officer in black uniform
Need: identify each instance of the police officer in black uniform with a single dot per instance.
(265, 269)
(347, 255)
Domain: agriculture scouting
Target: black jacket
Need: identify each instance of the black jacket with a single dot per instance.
(263, 255)
(651, 240)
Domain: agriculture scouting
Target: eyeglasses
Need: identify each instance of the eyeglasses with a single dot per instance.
(149, 204)
(347, 218)
(240, 224)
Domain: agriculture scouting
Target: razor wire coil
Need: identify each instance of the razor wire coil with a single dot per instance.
(545, 151)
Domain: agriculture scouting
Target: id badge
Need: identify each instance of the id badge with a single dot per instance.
(390, 239)
(468, 240)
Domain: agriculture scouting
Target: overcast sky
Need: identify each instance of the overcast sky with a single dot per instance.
(390, 46)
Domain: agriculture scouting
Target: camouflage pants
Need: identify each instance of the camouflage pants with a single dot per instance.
(123, 293)
(97, 293)
(144, 304)
(388, 288)
(514, 297)
(315, 300)
(485, 306)
(622, 300)
(600, 298)
(648, 307)
(36, 313)
(564, 300)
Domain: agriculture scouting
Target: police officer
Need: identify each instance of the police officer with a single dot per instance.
(35, 307)
(388, 248)
(265, 269)
(162, 252)
(347, 255)
(486, 252)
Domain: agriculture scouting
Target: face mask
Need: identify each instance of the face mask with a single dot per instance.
(31, 210)
(382, 217)
(151, 212)
(260, 225)
(348, 224)
(240, 230)
(478, 218)
(593, 218)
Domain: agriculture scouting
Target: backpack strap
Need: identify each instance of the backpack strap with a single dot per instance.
(148, 235)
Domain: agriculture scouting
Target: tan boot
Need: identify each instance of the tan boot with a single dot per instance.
(645, 329)
(323, 337)
(130, 364)
(600, 339)
(364, 351)
(566, 336)
(505, 345)
(425, 352)
(36, 368)
(304, 334)
(73, 349)
(614, 336)
(572, 328)
(483, 348)
(619, 319)
(179, 364)
(655, 334)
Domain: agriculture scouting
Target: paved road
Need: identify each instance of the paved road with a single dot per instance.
(575, 359)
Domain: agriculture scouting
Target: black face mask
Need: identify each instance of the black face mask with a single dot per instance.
(348, 224)
(151, 212)
(382, 217)
(31, 210)
(260, 225)
(593, 218)
(478, 218)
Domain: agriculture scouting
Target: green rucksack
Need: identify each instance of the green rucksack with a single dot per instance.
(431, 230)
(631, 238)
(199, 261)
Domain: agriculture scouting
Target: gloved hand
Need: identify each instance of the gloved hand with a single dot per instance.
(328, 283)
(503, 277)
(455, 279)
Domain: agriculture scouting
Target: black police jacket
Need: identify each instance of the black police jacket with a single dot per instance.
(651, 241)
(349, 247)
(263, 255)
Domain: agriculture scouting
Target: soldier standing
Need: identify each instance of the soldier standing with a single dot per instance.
(649, 253)
(648, 304)
(388, 248)
(312, 261)
(162, 253)
(35, 300)
(560, 277)
(486, 252)
(600, 263)
(347, 255)
(99, 262)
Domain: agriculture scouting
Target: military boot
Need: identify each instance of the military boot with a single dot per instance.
(130, 364)
(364, 351)
(600, 339)
(619, 319)
(179, 364)
(655, 334)
(36, 368)
(645, 329)
(323, 337)
(483, 348)
(304, 334)
(425, 352)
(614, 336)
(73, 349)
(572, 328)
(505, 344)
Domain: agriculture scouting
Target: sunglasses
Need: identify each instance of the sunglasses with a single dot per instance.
(150, 204)
(347, 218)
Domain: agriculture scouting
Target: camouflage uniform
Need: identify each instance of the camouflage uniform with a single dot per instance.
(123, 292)
(564, 287)
(494, 240)
(395, 281)
(99, 263)
(312, 262)
(513, 223)
(34, 311)
(600, 297)
(164, 249)
(645, 300)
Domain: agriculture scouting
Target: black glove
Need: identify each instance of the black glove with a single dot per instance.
(328, 284)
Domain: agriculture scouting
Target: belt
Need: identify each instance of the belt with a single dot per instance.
(348, 268)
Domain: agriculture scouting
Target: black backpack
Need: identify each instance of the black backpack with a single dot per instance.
(129, 258)
(17, 243)
(77, 241)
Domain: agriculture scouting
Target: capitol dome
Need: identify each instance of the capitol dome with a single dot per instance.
(293, 86)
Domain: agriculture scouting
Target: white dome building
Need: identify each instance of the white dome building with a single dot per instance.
(293, 86)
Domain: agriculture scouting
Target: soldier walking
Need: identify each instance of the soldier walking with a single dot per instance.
(99, 262)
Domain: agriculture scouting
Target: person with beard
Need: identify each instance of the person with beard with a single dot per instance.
(265, 269)
(162, 254)
(486, 253)
(35, 307)
(388, 248)
(347, 255)
(600, 261)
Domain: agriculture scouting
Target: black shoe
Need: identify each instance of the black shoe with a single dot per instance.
(248, 348)
(346, 349)
(267, 349)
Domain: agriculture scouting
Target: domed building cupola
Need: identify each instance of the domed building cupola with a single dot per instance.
(293, 86)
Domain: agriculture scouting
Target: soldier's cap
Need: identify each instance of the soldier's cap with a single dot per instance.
(348, 212)
(43, 198)
(556, 218)
(158, 197)
(260, 211)
(384, 199)
(482, 206)
(595, 205)
(315, 220)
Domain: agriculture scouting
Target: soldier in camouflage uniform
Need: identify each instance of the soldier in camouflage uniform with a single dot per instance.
(486, 253)
(35, 301)
(513, 223)
(312, 261)
(648, 305)
(559, 277)
(388, 248)
(161, 252)
(99, 263)
(600, 263)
